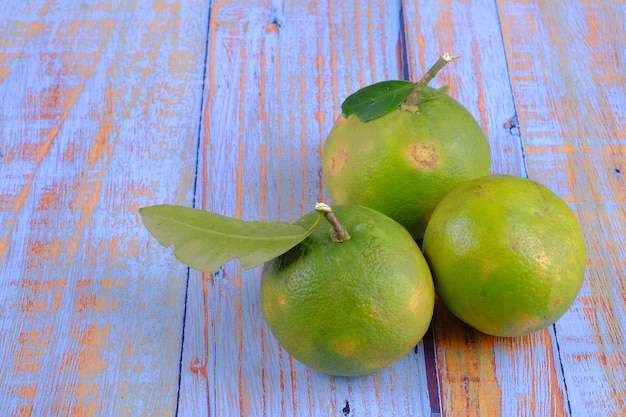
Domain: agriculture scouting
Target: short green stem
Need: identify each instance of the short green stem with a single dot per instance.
(413, 98)
(338, 233)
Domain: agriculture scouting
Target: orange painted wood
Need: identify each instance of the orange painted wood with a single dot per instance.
(107, 106)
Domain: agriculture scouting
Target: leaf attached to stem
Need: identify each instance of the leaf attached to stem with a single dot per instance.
(205, 241)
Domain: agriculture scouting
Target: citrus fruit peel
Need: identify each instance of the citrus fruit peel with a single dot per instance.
(352, 307)
(507, 255)
(399, 147)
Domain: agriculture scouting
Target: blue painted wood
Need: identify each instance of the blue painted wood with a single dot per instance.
(106, 106)
(567, 74)
(99, 110)
(495, 376)
(276, 76)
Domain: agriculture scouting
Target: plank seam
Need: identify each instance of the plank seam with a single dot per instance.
(404, 52)
(510, 82)
(562, 369)
(182, 343)
(194, 203)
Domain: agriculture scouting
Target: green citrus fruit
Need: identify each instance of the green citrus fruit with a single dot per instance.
(403, 163)
(507, 254)
(349, 308)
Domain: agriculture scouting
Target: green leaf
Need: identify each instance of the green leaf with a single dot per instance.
(205, 241)
(377, 99)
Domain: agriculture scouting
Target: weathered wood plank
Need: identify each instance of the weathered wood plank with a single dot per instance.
(567, 72)
(277, 73)
(481, 375)
(100, 105)
(99, 116)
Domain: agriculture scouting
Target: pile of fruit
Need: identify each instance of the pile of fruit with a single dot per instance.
(346, 289)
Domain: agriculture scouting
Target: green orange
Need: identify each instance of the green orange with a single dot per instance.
(354, 307)
(507, 254)
(403, 163)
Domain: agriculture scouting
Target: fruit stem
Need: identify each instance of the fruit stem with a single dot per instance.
(413, 98)
(338, 233)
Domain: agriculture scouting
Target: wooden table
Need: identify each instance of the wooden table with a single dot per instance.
(108, 106)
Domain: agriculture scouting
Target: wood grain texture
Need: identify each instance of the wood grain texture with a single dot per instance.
(567, 73)
(481, 375)
(98, 107)
(276, 75)
(107, 106)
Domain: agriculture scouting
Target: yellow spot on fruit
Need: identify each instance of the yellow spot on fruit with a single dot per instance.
(345, 346)
(424, 155)
(337, 162)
